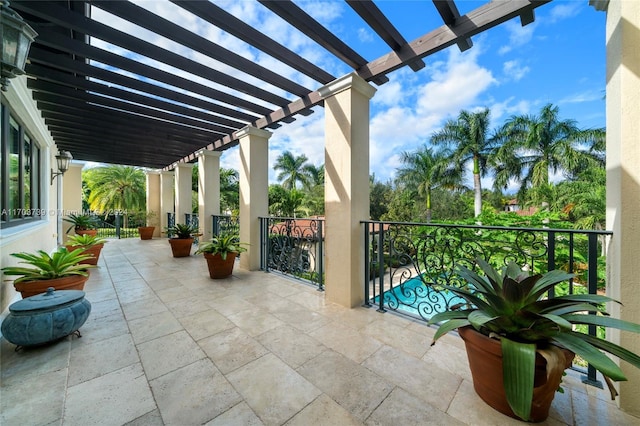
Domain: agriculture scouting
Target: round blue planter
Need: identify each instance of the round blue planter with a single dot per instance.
(45, 317)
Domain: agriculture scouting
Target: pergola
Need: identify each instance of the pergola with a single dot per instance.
(119, 108)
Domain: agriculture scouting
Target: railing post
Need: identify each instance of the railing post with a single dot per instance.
(215, 225)
(592, 285)
(367, 260)
(117, 220)
(551, 257)
(320, 255)
(381, 268)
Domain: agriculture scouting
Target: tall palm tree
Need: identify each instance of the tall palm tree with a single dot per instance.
(116, 188)
(536, 145)
(292, 169)
(229, 190)
(468, 137)
(425, 170)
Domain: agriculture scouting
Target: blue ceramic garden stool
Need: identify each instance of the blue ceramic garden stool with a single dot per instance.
(46, 317)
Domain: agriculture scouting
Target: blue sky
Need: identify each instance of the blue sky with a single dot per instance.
(559, 59)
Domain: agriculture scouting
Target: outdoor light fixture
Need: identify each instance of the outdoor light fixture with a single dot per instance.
(63, 159)
(17, 36)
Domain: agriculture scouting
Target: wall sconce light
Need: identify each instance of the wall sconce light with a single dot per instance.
(63, 160)
(17, 36)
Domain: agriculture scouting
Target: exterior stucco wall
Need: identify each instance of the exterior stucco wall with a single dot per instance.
(41, 234)
(623, 181)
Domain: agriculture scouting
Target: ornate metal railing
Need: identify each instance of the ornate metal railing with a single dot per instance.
(193, 220)
(293, 247)
(171, 219)
(118, 225)
(225, 224)
(406, 264)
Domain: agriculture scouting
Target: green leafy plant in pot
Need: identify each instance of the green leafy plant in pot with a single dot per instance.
(82, 223)
(220, 253)
(61, 270)
(181, 238)
(509, 313)
(91, 245)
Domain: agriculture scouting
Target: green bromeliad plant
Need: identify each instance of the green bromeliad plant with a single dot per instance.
(222, 245)
(61, 263)
(512, 306)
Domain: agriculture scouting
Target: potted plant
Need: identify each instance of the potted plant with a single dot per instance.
(82, 224)
(220, 253)
(521, 341)
(91, 245)
(61, 270)
(146, 231)
(181, 239)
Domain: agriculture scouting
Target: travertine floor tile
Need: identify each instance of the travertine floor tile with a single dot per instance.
(113, 399)
(143, 308)
(255, 322)
(154, 326)
(347, 341)
(36, 400)
(92, 360)
(324, 411)
(167, 353)
(193, 394)
(428, 382)
(206, 323)
(413, 343)
(231, 349)
(18, 366)
(241, 414)
(402, 408)
(273, 390)
(355, 388)
(290, 345)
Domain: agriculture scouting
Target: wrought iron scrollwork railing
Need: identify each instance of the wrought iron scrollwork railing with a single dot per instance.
(225, 224)
(407, 264)
(293, 247)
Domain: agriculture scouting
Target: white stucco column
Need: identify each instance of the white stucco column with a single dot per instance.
(623, 182)
(183, 177)
(346, 190)
(71, 197)
(153, 201)
(254, 191)
(208, 190)
(167, 198)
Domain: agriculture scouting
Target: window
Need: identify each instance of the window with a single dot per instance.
(20, 198)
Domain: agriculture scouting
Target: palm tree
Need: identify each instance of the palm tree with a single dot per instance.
(538, 144)
(468, 136)
(426, 169)
(116, 188)
(292, 169)
(229, 190)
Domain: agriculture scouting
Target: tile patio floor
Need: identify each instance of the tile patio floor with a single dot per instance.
(164, 344)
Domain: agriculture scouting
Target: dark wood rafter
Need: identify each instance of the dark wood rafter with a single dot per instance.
(449, 13)
(121, 108)
(297, 17)
(229, 23)
(383, 27)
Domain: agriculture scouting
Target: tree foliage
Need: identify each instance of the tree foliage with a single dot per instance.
(116, 188)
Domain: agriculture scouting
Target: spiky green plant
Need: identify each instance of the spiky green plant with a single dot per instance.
(81, 222)
(222, 245)
(512, 306)
(181, 230)
(85, 240)
(61, 263)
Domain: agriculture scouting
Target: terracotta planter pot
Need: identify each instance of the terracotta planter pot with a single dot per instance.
(93, 250)
(485, 361)
(31, 288)
(146, 232)
(92, 232)
(218, 267)
(181, 247)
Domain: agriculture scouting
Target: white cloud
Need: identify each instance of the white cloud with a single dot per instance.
(514, 70)
(365, 35)
(518, 35)
(588, 96)
(565, 10)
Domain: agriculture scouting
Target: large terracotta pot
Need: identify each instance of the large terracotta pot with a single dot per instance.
(146, 232)
(181, 247)
(92, 232)
(485, 362)
(31, 288)
(93, 250)
(219, 267)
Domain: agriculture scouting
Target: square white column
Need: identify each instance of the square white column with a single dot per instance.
(208, 190)
(183, 175)
(167, 198)
(154, 196)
